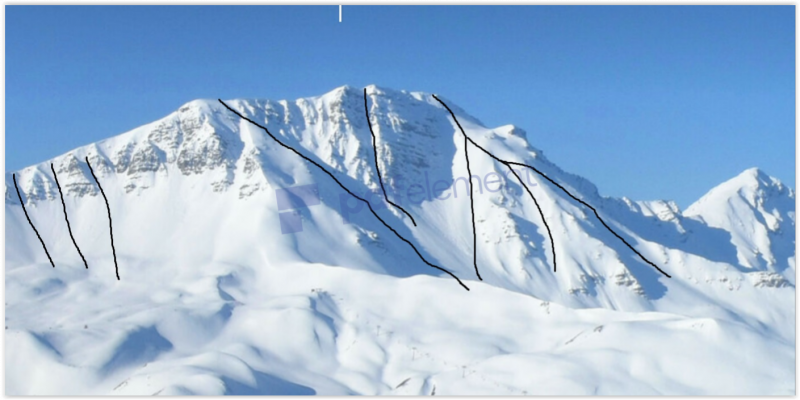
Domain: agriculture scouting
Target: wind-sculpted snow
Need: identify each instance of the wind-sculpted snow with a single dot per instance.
(214, 299)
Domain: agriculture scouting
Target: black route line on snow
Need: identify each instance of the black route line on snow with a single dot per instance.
(471, 208)
(595, 213)
(14, 176)
(110, 230)
(474, 235)
(346, 189)
(377, 168)
(63, 204)
(521, 182)
(509, 163)
(541, 213)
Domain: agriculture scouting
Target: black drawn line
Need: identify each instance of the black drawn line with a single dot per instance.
(346, 189)
(472, 209)
(471, 197)
(375, 148)
(595, 213)
(110, 229)
(560, 187)
(538, 207)
(14, 176)
(466, 138)
(69, 229)
(541, 213)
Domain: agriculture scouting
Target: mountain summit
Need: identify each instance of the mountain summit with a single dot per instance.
(246, 268)
(759, 213)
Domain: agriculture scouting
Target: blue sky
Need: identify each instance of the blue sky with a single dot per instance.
(646, 102)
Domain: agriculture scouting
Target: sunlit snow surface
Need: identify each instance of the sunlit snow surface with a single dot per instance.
(214, 299)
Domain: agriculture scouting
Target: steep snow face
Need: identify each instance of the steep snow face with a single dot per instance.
(419, 149)
(207, 272)
(759, 213)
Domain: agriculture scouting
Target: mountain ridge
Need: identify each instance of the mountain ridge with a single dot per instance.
(204, 138)
(196, 216)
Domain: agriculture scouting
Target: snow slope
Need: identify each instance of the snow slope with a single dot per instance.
(214, 298)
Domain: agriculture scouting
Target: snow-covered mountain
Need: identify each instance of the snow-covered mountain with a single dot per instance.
(226, 289)
(758, 211)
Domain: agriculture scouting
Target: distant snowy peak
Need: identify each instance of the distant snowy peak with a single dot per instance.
(759, 213)
(755, 183)
(752, 188)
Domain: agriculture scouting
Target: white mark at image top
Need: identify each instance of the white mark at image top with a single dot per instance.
(340, 13)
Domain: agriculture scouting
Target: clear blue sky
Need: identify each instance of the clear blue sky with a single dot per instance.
(647, 102)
